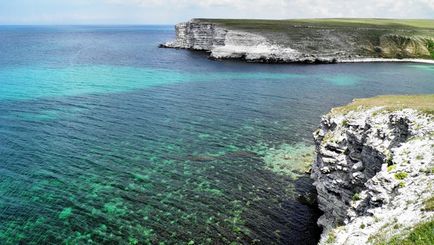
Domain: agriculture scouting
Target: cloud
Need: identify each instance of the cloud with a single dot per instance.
(297, 8)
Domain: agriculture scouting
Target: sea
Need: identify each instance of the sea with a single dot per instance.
(107, 139)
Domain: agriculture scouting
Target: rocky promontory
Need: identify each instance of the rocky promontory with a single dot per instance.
(308, 41)
(374, 171)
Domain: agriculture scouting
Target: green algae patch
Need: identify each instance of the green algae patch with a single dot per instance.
(66, 213)
(141, 177)
(423, 103)
(115, 208)
(133, 241)
(206, 186)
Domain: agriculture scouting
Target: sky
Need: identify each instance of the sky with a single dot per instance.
(174, 11)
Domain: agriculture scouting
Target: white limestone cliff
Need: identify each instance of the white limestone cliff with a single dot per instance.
(223, 43)
(373, 172)
(291, 42)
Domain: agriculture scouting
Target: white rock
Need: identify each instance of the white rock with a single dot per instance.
(373, 139)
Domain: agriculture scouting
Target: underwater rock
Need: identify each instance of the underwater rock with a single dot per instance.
(241, 154)
(201, 158)
(309, 199)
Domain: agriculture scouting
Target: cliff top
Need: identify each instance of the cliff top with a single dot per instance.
(339, 22)
(423, 103)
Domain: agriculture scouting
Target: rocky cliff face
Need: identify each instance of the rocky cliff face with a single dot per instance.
(198, 36)
(373, 172)
(284, 42)
(223, 43)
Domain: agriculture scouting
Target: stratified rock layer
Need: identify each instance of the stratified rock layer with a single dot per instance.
(373, 171)
(285, 42)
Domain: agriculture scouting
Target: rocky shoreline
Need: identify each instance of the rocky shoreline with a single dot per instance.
(301, 43)
(380, 60)
(373, 173)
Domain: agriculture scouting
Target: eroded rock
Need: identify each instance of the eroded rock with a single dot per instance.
(384, 182)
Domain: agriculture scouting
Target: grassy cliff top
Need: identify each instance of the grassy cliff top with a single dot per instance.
(423, 103)
(342, 22)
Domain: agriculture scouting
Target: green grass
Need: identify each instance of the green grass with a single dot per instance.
(356, 197)
(422, 234)
(430, 46)
(339, 22)
(391, 168)
(428, 204)
(418, 23)
(331, 237)
(345, 123)
(401, 175)
(423, 103)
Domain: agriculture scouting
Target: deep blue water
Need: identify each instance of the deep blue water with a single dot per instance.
(104, 138)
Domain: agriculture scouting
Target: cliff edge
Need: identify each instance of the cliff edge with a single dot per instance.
(374, 171)
(309, 40)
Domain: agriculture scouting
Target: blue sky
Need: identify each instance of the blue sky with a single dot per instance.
(173, 11)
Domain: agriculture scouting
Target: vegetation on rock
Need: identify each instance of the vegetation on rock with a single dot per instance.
(380, 156)
(423, 103)
(356, 197)
(431, 48)
(429, 205)
(401, 175)
(422, 234)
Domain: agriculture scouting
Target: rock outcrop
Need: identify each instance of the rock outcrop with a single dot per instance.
(373, 171)
(223, 43)
(292, 41)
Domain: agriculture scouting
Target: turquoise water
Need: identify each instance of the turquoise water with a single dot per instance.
(88, 79)
(106, 139)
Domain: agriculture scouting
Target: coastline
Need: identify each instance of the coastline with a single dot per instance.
(386, 60)
(316, 60)
(328, 60)
(305, 41)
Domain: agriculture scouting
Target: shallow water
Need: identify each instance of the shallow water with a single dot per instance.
(105, 138)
